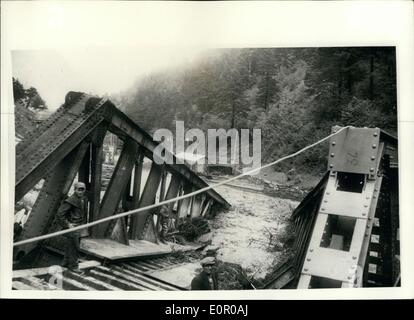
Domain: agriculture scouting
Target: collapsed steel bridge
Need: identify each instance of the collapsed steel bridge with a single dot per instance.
(346, 228)
(69, 144)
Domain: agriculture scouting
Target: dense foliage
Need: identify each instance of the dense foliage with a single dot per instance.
(29, 98)
(293, 95)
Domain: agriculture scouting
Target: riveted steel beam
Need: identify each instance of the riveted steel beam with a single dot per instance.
(40, 153)
(55, 186)
(124, 126)
(136, 191)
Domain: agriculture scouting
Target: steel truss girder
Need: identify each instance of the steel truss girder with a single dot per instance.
(40, 154)
(45, 152)
(117, 184)
(124, 126)
(55, 186)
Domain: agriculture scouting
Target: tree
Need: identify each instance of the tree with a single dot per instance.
(18, 90)
(35, 101)
(29, 98)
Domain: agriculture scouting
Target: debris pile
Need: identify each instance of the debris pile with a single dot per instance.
(284, 191)
(231, 276)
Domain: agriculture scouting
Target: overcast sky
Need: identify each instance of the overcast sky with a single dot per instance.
(96, 71)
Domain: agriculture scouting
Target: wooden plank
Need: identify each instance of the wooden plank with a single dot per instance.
(143, 276)
(179, 276)
(148, 265)
(125, 285)
(138, 266)
(160, 262)
(112, 250)
(155, 264)
(72, 284)
(142, 280)
(43, 271)
(93, 282)
(17, 285)
(38, 283)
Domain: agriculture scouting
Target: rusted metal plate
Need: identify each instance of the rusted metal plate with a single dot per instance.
(180, 276)
(350, 204)
(139, 222)
(355, 150)
(370, 223)
(24, 273)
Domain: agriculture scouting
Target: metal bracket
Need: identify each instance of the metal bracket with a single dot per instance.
(355, 150)
(350, 204)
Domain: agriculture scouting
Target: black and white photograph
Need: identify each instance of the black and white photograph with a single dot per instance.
(172, 167)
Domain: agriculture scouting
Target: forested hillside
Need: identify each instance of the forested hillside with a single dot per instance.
(293, 95)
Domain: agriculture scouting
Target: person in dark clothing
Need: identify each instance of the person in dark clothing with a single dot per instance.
(207, 279)
(72, 213)
(165, 218)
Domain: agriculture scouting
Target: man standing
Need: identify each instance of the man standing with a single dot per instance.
(206, 280)
(72, 213)
(164, 216)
